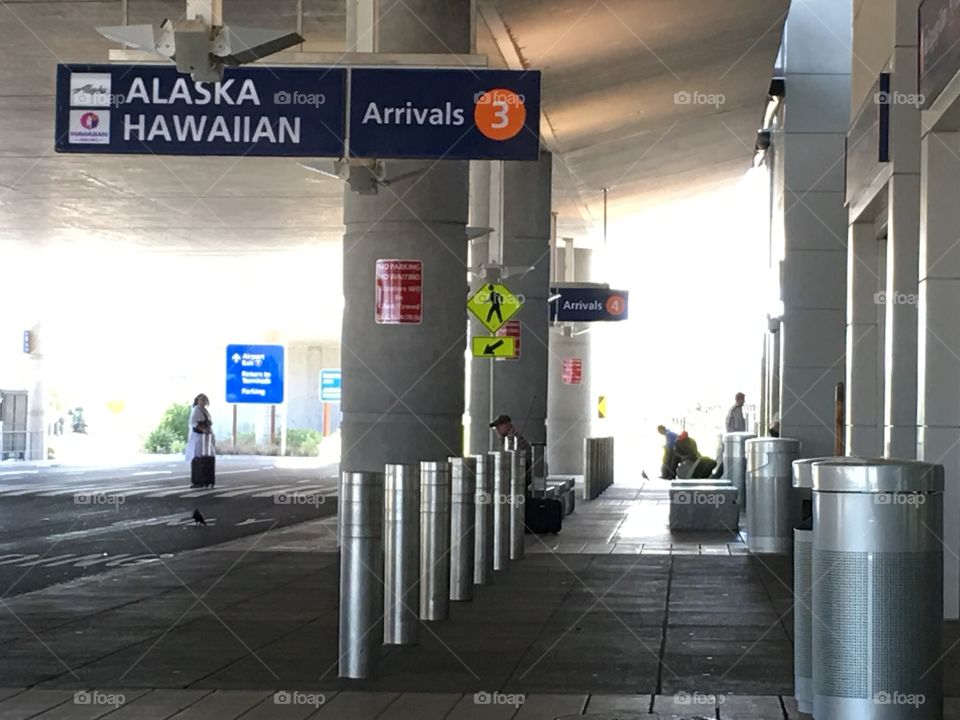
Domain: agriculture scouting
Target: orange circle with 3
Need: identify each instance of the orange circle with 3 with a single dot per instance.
(616, 305)
(500, 113)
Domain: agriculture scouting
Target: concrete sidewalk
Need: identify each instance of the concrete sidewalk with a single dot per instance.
(216, 633)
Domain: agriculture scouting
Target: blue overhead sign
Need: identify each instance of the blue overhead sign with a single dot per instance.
(255, 374)
(153, 109)
(330, 384)
(588, 303)
(445, 113)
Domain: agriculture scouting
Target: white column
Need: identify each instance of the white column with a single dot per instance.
(903, 244)
(812, 337)
(864, 432)
(939, 339)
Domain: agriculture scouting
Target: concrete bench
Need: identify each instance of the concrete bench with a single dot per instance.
(565, 492)
(717, 482)
(704, 507)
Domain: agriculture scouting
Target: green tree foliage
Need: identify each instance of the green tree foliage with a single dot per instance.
(170, 435)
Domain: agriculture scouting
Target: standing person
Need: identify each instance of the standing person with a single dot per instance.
(511, 439)
(735, 419)
(668, 468)
(200, 451)
(505, 430)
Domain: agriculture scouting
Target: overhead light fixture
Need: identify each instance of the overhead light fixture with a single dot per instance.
(201, 49)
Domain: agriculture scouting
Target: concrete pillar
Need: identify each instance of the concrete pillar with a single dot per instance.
(903, 245)
(864, 432)
(403, 385)
(812, 336)
(520, 386)
(939, 348)
(37, 403)
(569, 407)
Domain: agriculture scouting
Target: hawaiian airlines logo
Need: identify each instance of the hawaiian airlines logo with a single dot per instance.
(89, 120)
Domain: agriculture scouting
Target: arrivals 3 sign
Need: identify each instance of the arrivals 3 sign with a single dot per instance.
(300, 112)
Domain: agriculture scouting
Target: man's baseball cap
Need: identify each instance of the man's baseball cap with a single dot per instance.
(501, 419)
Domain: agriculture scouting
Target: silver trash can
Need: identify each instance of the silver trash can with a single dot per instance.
(878, 599)
(735, 463)
(773, 504)
(803, 584)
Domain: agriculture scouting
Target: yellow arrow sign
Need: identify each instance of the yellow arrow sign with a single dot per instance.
(493, 347)
(602, 407)
(493, 305)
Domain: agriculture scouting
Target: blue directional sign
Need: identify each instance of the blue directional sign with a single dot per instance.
(255, 374)
(153, 109)
(445, 113)
(588, 303)
(330, 384)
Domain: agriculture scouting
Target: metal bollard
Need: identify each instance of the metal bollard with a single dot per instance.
(878, 590)
(401, 541)
(589, 471)
(361, 573)
(463, 491)
(483, 526)
(434, 540)
(515, 502)
(501, 510)
(538, 469)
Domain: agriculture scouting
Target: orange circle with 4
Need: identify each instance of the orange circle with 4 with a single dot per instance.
(616, 305)
(500, 113)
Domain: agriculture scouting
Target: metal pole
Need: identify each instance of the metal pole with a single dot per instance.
(273, 425)
(401, 540)
(501, 511)
(326, 419)
(234, 439)
(434, 540)
(361, 570)
(518, 482)
(463, 490)
(483, 530)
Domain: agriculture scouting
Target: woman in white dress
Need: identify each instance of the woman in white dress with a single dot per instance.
(200, 438)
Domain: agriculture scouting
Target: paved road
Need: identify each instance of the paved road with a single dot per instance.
(60, 523)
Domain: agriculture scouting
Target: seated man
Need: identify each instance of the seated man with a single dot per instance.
(693, 465)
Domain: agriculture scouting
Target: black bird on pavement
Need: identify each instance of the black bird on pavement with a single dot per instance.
(198, 518)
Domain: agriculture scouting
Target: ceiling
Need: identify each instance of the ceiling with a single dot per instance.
(611, 73)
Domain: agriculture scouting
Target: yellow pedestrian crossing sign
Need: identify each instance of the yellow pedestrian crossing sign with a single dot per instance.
(494, 347)
(493, 305)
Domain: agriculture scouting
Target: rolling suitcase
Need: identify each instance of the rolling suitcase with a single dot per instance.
(543, 515)
(203, 468)
(203, 471)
